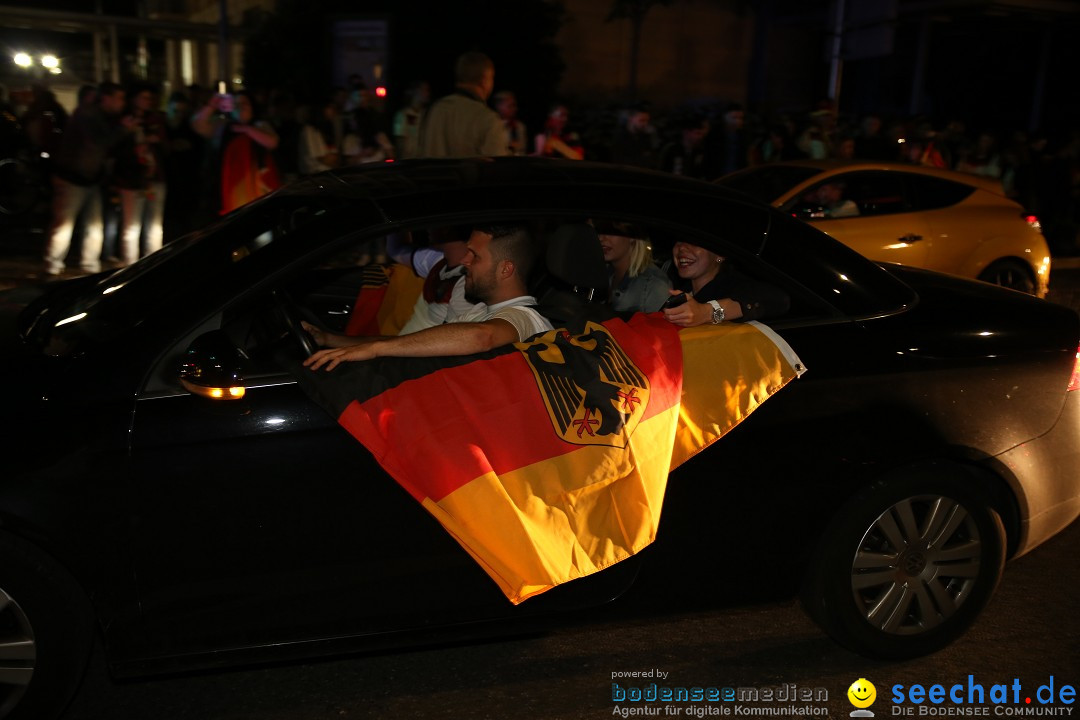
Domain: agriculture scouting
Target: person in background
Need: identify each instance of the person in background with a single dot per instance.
(981, 159)
(834, 203)
(816, 139)
(635, 140)
(517, 138)
(243, 146)
(139, 174)
(871, 142)
(366, 139)
(317, 151)
(183, 162)
(727, 149)
(408, 119)
(461, 124)
(92, 133)
(636, 283)
(45, 119)
(686, 155)
(556, 140)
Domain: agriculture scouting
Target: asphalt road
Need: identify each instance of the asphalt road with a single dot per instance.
(1029, 633)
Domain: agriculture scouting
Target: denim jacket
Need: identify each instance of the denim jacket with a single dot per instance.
(643, 293)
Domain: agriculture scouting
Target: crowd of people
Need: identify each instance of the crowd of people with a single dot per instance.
(128, 172)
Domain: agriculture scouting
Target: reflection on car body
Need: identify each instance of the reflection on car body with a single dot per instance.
(184, 531)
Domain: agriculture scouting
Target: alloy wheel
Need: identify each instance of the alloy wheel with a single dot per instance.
(916, 565)
(18, 653)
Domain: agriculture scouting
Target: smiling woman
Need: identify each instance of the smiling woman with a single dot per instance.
(717, 291)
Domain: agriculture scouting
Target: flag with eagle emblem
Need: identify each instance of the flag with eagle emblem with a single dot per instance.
(548, 460)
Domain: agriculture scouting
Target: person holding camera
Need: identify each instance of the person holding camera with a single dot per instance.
(242, 145)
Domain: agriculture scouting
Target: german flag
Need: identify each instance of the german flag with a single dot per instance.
(548, 460)
(385, 300)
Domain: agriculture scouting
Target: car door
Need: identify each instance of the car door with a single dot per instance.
(888, 228)
(958, 228)
(261, 520)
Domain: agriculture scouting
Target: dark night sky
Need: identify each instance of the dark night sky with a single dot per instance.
(984, 59)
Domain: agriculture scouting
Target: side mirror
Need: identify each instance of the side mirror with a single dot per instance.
(213, 368)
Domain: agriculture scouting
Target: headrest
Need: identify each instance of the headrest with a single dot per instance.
(574, 256)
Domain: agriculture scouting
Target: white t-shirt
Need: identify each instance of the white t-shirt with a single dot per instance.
(518, 312)
(312, 150)
(427, 314)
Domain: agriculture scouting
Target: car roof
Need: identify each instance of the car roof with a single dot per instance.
(826, 168)
(382, 180)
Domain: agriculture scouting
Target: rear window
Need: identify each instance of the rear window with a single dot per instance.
(931, 193)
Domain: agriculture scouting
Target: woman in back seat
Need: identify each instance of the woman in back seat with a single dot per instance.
(636, 284)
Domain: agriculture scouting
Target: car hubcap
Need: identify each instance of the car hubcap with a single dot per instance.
(17, 653)
(1013, 279)
(916, 565)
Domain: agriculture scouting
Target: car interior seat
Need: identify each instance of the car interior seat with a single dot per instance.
(574, 286)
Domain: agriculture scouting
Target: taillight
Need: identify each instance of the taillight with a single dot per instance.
(1074, 382)
(1032, 220)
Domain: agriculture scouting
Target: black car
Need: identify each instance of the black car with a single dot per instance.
(933, 436)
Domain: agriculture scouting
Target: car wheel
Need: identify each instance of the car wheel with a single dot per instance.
(45, 633)
(1009, 274)
(906, 566)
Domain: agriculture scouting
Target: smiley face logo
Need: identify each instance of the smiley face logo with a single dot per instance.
(862, 693)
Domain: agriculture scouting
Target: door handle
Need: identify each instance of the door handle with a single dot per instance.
(910, 238)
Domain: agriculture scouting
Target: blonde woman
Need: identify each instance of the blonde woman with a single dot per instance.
(636, 283)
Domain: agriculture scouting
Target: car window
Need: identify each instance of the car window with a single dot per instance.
(873, 193)
(877, 193)
(932, 193)
(96, 308)
(832, 271)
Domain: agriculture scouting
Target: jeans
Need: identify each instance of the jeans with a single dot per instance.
(71, 201)
(142, 210)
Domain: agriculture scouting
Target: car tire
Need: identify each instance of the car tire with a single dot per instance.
(906, 566)
(1009, 274)
(46, 633)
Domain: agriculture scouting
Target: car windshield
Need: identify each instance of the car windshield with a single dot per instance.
(92, 309)
(767, 183)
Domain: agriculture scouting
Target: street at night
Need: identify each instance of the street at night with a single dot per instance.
(545, 359)
(1030, 631)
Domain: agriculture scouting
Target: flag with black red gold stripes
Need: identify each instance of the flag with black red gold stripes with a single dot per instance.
(548, 460)
(385, 300)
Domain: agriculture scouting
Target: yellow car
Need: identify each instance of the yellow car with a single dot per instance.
(936, 219)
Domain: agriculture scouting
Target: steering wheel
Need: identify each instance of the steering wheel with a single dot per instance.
(289, 313)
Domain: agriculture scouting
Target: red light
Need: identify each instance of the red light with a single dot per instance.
(380, 91)
(1074, 382)
(1032, 220)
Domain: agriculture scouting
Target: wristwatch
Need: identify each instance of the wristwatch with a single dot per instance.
(717, 312)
